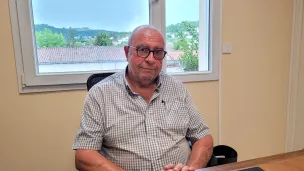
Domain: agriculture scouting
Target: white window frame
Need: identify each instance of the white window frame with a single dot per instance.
(29, 81)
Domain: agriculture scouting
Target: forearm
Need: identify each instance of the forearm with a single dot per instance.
(90, 160)
(201, 152)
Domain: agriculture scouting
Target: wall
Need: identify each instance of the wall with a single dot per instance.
(255, 76)
(37, 130)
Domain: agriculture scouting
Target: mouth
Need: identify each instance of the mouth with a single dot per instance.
(148, 69)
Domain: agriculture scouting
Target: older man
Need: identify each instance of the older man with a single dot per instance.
(141, 118)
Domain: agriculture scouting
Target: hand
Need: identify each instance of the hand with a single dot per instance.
(178, 167)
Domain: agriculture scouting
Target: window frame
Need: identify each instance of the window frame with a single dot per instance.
(29, 81)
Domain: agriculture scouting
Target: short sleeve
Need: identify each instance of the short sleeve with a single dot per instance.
(197, 128)
(91, 131)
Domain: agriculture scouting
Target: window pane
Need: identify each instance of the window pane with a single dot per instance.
(77, 35)
(187, 35)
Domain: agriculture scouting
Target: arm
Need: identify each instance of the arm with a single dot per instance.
(90, 137)
(199, 134)
(201, 152)
(91, 160)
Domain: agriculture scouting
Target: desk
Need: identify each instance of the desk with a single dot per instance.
(293, 161)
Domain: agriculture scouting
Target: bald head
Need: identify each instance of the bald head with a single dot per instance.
(143, 67)
(139, 29)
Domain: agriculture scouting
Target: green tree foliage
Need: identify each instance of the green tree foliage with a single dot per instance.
(103, 39)
(80, 32)
(71, 38)
(78, 44)
(90, 42)
(47, 38)
(179, 43)
(180, 27)
(189, 59)
(81, 39)
(122, 44)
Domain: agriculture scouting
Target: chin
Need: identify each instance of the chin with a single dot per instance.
(147, 78)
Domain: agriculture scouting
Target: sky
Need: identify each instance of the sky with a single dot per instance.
(114, 15)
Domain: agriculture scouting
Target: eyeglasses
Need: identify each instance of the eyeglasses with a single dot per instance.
(144, 52)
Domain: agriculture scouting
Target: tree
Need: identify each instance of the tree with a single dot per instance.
(81, 39)
(180, 27)
(103, 39)
(78, 44)
(47, 38)
(89, 42)
(122, 44)
(71, 38)
(189, 59)
(179, 43)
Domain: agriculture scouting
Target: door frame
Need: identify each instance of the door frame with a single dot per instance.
(296, 43)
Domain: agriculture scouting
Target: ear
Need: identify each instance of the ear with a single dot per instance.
(126, 49)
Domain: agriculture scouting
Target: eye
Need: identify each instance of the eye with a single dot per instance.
(145, 50)
(158, 51)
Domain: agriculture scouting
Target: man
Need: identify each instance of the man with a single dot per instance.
(141, 118)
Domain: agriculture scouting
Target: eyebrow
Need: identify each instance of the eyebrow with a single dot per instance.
(145, 46)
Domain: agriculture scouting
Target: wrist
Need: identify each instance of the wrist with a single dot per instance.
(195, 165)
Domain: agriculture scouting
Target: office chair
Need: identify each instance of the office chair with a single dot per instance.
(227, 154)
(95, 78)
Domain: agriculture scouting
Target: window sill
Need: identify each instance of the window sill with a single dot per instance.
(183, 77)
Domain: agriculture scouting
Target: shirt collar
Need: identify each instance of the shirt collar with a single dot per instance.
(129, 90)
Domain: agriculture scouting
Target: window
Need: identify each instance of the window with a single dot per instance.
(58, 44)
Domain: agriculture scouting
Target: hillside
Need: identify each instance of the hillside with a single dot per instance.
(86, 32)
(79, 32)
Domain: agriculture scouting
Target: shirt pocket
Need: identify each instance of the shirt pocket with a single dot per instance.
(176, 118)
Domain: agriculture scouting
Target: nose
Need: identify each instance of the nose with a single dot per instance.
(150, 58)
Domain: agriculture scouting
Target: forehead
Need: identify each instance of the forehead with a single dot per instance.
(149, 37)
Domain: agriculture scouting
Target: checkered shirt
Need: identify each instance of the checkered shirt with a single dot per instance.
(135, 135)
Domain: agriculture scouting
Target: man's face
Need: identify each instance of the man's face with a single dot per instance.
(144, 70)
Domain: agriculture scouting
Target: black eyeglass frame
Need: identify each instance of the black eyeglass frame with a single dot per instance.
(137, 48)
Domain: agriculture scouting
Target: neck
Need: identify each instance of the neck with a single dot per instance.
(140, 84)
(145, 90)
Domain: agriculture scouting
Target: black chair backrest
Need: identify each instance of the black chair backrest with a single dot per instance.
(95, 78)
(225, 154)
(222, 154)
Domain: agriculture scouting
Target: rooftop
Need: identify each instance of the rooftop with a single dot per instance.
(89, 54)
